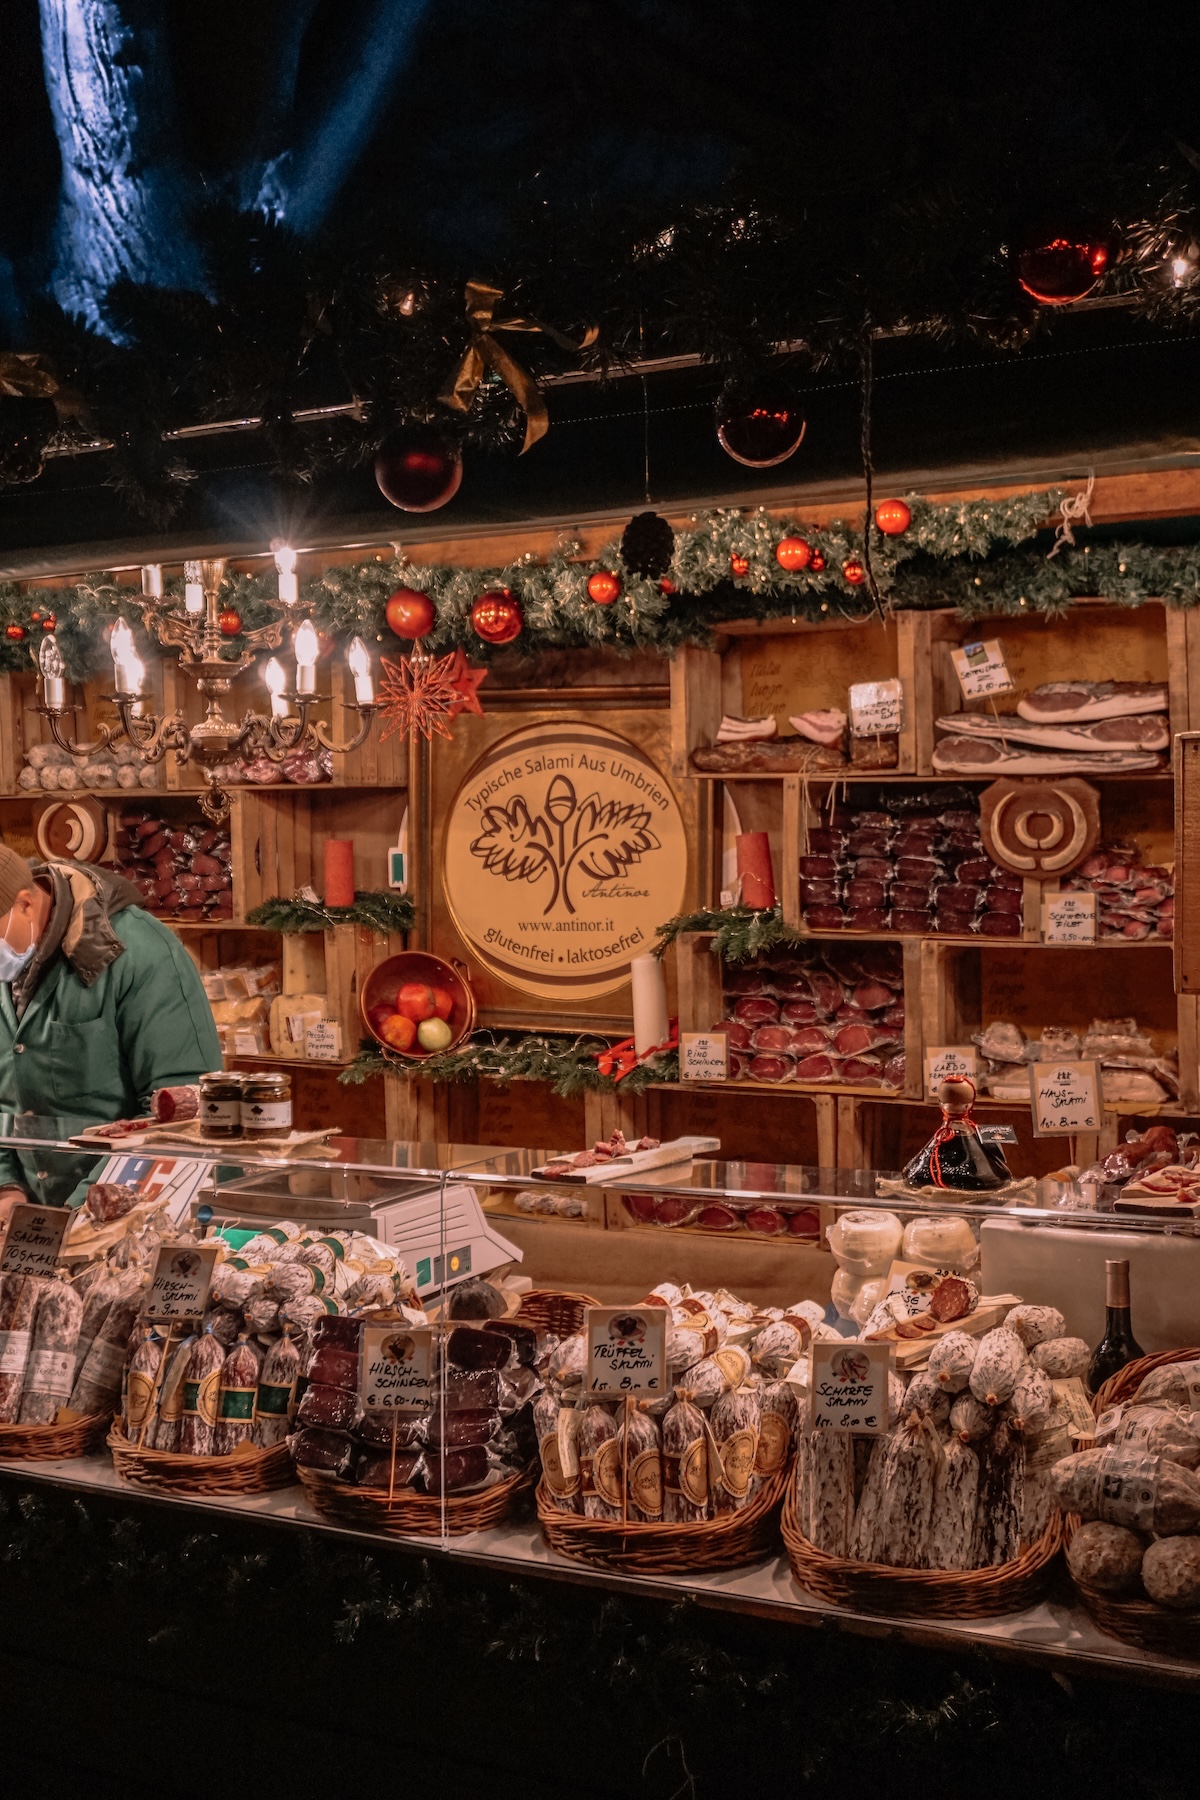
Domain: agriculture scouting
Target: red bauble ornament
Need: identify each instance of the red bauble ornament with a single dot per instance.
(497, 616)
(48, 622)
(817, 563)
(667, 587)
(230, 622)
(15, 632)
(793, 553)
(410, 613)
(417, 469)
(604, 587)
(35, 617)
(1062, 270)
(760, 427)
(739, 565)
(854, 572)
(893, 518)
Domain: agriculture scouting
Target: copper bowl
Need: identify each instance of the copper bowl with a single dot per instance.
(384, 981)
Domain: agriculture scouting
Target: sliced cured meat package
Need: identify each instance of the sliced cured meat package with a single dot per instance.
(757, 1009)
(872, 868)
(867, 918)
(1000, 924)
(826, 918)
(914, 924)
(820, 893)
(862, 893)
(738, 1034)
(766, 1067)
(797, 1012)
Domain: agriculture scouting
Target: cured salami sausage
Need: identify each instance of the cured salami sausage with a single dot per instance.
(201, 1391)
(685, 1464)
(236, 1397)
(98, 1384)
(560, 1474)
(599, 1464)
(276, 1381)
(735, 1418)
(639, 1455)
(51, 1367)
(18, 1300)
(825, 1489)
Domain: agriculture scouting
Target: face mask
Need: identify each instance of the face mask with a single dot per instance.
(13, 961)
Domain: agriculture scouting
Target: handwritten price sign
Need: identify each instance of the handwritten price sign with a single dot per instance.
(34, 1239)
(876, 707)
(182, 1277)
(850, 1387)
(703, 1056)
(1069, 918)
(1065, 1098)
(626, 1350)
(396, 1368)
(982, 670)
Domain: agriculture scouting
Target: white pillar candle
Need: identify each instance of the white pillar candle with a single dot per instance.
(651, 1024)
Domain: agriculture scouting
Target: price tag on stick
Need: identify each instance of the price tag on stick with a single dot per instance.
(33, 1240)
(626, 1350)
(179, 1286)
(396, 1369)
(876, 707)
(1066, 1098)
(982, 670)
(849, 1387)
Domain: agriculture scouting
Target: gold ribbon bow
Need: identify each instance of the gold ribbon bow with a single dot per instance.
(484, 352)
(28, 375)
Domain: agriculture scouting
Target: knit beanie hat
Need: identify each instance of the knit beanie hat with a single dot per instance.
(15, 874)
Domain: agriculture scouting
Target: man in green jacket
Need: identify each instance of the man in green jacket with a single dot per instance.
(99, 1005)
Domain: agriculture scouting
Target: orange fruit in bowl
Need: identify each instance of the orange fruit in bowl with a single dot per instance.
(415, 999)
(398, 1031)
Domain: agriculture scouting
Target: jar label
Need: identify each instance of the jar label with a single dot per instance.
(221, 1112)
(267, 1115)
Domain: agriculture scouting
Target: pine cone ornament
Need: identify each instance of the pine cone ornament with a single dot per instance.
(647, 545)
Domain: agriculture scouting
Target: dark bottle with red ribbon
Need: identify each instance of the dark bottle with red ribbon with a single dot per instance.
(956, 1156)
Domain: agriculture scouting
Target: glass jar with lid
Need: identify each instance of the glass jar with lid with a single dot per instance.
(221, 1104)
(266, 1104)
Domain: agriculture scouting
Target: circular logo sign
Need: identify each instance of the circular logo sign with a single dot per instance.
(565, 851)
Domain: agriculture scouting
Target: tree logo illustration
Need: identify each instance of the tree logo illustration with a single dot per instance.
(602, 839)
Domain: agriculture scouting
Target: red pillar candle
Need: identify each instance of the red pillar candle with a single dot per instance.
(754, 869)
(339, 872)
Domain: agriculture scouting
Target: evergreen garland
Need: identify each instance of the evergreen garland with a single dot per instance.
(739, 932)
(379, 912)
(567, 1063)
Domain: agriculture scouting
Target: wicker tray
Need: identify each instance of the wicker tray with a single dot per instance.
(1137, 1620)
(54, 1443)
(725, 1542)
(253, 1472)
(559, 1314)
(408, 1514)
(931, 1593)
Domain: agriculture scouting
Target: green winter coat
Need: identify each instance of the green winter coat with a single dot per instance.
(111, 1008)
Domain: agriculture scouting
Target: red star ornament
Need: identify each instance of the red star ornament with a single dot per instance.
(418, 694)
(466, 682)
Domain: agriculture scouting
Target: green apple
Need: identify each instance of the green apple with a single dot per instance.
(434, 1034)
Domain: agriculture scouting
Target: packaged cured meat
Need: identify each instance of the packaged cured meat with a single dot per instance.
(1000, 1496)
(771, 1066)
(599, 1464)
(377, 1469)
(201, 1391)
(639, 1456)
(895, 1511)
(162, 1432)
(237, 1393)
(825, 1489)
(1127, 1486)
(684, 1464)
(452, 1471)
(777, 1426)
(998, 1366)
(97, 1386)
(734, 1422)
(313, 1448)
(970, 1418)
(276, 1383)
(757, 1009)
(1000, 924)
(1061, 1358)
(956, 1491)
(952, 1359)
(739, 1034)
(142, 1377)
(1159, 1431)
(49, 1372)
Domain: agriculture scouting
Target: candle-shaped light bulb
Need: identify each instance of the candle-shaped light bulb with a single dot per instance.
(193, 588)
(276, 681)
(152, 581)
(359, 662)
(50, 662)
(285, 562)
(306, 647)
(121, 645)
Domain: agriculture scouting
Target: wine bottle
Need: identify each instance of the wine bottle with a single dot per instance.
(1118, 1346)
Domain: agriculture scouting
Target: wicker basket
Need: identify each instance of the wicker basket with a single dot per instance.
(930, 1593)
(559, 1315)
(639, 1548)
(1136, 1620)
(409, 1514)
(54, 1443)
(249, 1472)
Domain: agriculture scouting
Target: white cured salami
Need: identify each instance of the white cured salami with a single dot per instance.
(685, 1464)
(1034, 1324)
(952, 1530)
(970, 1418)
(901, 1483)
(639, 1456)
(734, 1422)
(1061, 1357)
(997, 1366)
(163, 1431)
(236, 1397)
(201, 1392)
(1032, 1400)
(952, 1359)
(1158, 1430)
(1000, 1497)
(924, 1394)
(776, 1427)
(599, 1464)
(98, 1384)
(562, 1481)
(825, 1489)
(1124, 1486)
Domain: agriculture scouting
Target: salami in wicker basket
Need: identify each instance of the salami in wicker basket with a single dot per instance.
(1133, 1618)
(54, 1443)
(247, 1470)
(931, 1593)
(409, 1514)
(726, 1542)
